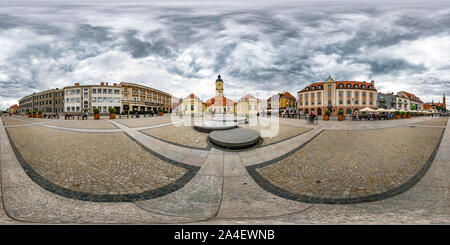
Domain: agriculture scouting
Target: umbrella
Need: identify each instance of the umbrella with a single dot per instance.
(367, 109)
(381, 110)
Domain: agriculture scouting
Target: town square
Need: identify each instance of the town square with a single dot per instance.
(175, 116)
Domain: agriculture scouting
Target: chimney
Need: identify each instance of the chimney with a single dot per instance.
(77, 84)
(102, 84)
(372, 82)
(115, 84)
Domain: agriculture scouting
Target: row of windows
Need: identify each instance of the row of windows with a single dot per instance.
(348, 85)
(340, 102)
(135, 99)
(73, 109)
(105, 91)
(105, 100)
(341, 93)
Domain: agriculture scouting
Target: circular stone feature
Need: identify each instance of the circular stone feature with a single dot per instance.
(208, 126)
(236, 138)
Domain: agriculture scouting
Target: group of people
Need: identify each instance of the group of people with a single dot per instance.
(373, 116)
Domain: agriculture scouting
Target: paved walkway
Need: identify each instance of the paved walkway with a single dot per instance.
(223, 192)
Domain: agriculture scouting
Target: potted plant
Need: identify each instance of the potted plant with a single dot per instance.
(39, 112)
(327, 115)
(341, 115)
(397, 114)
(408, 114)
(30, 114)
(403, 115)
(160, 112)
(96, 114)
(279, 113)
(34, 113)
(112, 113)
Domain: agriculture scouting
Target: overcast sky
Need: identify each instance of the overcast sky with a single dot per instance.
(257, 47)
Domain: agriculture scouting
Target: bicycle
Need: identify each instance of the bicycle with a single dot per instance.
(314, 121)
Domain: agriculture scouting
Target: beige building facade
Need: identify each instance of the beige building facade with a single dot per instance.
(247, 106)
(142, 99)
(350, 96)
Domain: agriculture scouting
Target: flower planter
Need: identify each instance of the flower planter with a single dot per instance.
(39, 116)
(408, 116)
(96, 116)
(340, 117)
(326, 117)
(30, 115)
(34, 115)
(403, 116)
(397, 116)
(112, 116)
(160, 113)
(279, 115)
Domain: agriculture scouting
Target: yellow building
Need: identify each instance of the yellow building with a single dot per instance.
(143, 99)
(220, 104)
(247, 106)
(287, 103)
(192, 105)
(349, 96)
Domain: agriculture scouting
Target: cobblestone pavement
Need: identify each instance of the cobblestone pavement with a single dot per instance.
(223, 191)
(278, 133)
(351, 165)
(98, 164)
(10, 121)
(180, 134)
(442, 121)
(187, 136)
(354, 125)
(144, 121)
(92, 124)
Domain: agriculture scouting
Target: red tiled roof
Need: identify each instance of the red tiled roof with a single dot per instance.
(248, 96)
(287, 95)
(412, 96)
(352, 83)
(219, 101)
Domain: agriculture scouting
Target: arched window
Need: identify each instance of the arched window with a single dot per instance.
(355, 86)
(363, 86)
(349, 111)
(348, 85)
(320, 86)
(313, 87)
(341, 85)
(307, 89)
(370, 87)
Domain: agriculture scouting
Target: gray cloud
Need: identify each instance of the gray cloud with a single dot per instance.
(180, 48)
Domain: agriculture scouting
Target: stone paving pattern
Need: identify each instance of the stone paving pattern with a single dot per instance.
(442, 121)
(187, 136)
(222, 192)
(354, 164)
(180, 134)
(281, 132)
(144, 121)
(93, 163)
(91, 123)
(10, 121)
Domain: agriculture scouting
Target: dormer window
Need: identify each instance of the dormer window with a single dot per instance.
(320, 86)
(313, 87)
(370, 87)
(363, 86)
(307, 89)
(348, 85)
(356, 86)
(341, 85)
